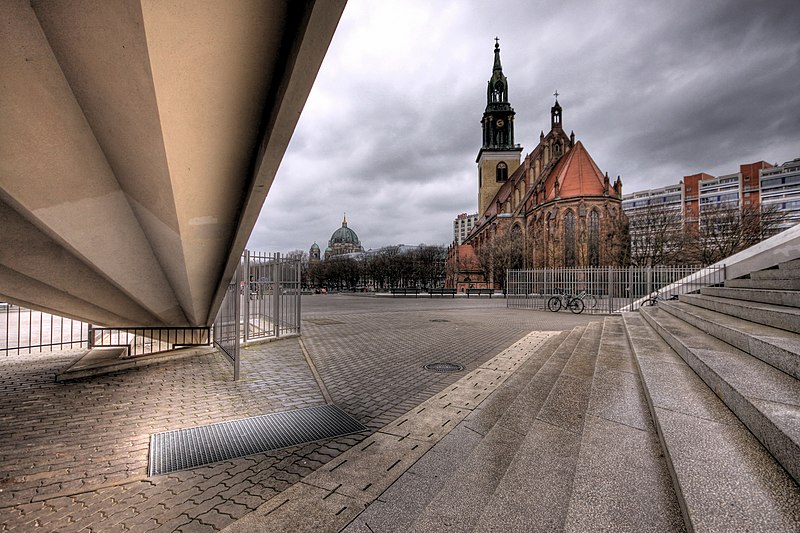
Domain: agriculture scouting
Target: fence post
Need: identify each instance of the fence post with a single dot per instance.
(276, 296)
(246, 294)
(91, 337)
(298, 295)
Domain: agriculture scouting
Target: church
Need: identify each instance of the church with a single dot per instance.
(556, 208)
(343, 241)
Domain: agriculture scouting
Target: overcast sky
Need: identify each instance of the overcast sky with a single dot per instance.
(655, 90)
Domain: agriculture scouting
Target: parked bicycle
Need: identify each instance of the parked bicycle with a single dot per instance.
(573, 302)
(656, 297)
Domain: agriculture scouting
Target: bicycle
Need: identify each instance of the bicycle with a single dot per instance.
(656, 297)
(573, 302)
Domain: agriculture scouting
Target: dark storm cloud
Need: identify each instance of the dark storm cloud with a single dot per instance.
(655, 90)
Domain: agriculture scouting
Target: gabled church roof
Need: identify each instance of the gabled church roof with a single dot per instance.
(577, 175)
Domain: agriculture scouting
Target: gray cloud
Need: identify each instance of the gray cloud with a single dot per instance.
(655, 90)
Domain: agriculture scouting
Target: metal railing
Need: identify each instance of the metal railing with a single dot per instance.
(227, 325)
(148, 341)
(262, 301)
(608, 290)
(26, 331)
(271, 295)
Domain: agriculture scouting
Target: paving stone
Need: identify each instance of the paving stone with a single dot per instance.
(96, 431)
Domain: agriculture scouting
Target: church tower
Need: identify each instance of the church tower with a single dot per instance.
(498, 157)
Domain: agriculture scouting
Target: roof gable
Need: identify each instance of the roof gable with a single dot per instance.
(577, 175)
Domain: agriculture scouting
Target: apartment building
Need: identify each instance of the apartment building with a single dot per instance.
(462, 225)
(780, 186)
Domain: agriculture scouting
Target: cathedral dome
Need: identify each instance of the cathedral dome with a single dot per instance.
(315, 246)
(344, 235)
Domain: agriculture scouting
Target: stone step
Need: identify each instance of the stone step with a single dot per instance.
(765, 399)
(790, 265)
(620, 457)
(725, 480)
(769, 284)
(777, 273)
(544, 465)
(769, 314)
(405, 501)
(778, 347)
(458, 505)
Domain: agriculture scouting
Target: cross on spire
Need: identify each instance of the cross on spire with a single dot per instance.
(556, 94)
(496, 41)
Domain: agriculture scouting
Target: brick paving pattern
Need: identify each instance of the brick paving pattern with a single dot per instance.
(73, 457)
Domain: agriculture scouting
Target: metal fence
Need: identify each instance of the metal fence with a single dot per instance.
(26, 331)
(262, 301)
(148, 341)
(227, 325)
(607, 290)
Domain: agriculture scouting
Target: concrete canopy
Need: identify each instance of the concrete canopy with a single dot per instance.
(138, 141)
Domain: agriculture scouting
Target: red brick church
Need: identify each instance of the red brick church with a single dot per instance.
(554, 209)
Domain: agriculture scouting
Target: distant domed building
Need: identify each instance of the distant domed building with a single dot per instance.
(314, 253)
(343, 241)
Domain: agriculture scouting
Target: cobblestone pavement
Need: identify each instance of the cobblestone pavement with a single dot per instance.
(73, 456)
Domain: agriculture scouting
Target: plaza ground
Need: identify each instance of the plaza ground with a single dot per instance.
(74, 456)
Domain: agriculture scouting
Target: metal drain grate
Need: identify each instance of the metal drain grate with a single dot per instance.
(439, 320)
(444, 367)
(187, 448)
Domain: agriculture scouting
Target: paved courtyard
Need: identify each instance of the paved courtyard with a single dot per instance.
(73, 456)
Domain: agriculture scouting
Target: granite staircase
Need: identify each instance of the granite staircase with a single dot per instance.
(682, 417)
(566, 444)
(721, 372)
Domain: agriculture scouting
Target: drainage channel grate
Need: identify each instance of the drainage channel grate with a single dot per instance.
(188, 448)
(444, 367)
(439, 320)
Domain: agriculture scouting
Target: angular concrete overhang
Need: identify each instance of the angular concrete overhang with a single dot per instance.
(138, 141)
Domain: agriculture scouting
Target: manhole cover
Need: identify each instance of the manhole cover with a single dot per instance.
(439, 320)
(444, 367)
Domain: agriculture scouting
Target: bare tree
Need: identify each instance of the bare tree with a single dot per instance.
(657, 236)
(726, 229)
(497, 255)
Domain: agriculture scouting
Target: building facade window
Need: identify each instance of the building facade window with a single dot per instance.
(569, 239)
(502, 171)
(594, 238)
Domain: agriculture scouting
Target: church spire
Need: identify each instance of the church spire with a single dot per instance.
(344, 221)
(498, 157)
(555, 114)
(497, 92)
(498, 117)
(497, 65)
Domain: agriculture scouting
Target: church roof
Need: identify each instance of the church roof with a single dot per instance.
(577, 175)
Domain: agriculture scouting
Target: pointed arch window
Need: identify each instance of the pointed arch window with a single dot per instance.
(502, 171)
(569, 239)
(594, 238)
(499, 89)
(517, 247)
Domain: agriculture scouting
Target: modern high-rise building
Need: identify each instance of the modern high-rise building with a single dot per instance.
(756, 184)
(462, 225)
(780, 186)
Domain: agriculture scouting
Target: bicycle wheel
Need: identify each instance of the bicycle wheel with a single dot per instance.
(554, 304)
(576, 305)
(590, 300)
(650, 302)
